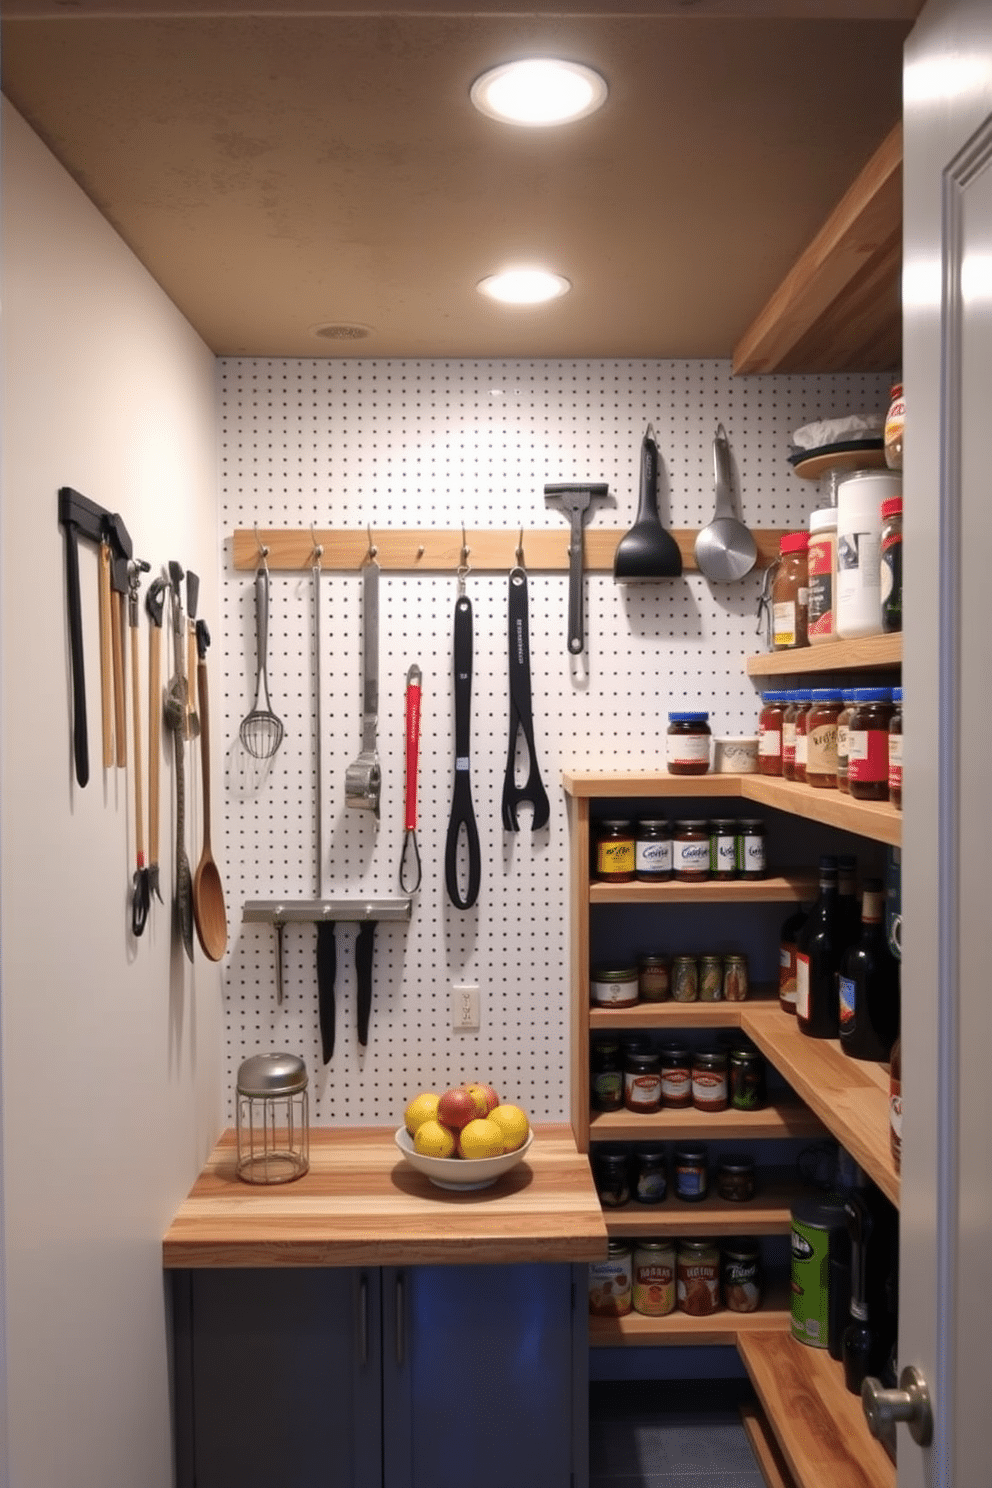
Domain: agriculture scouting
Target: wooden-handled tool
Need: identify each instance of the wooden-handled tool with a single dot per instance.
(140, 891)
(106, 664)
(154, 604)
(209, 911)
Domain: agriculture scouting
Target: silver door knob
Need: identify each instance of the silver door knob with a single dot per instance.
(910, 1403)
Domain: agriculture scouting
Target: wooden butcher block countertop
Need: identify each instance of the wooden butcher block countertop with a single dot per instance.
(361, 1203)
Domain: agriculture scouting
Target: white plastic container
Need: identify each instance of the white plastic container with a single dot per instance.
(858, 599)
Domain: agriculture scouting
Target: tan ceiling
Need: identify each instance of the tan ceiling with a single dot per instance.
(289, 166)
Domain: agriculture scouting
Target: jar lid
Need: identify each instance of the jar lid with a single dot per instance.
(646, 1062)
(892, 507)
(802, 695)
(617, 825)
(673, 1053)
(653, 960)
(718, 822)
(736, 1164)
(691, 825)
(751, 823)
(794, 542)
(613, 973)
(272, 1074)
(653, 823)
(776, 695)
(897, 694)
(826, 695)
(823, 519)
(690, 1154)
(710, 1058)
(871, 694)
(688, 717)
(740, 1250)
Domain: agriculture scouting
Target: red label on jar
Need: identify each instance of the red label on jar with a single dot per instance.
(868, 755)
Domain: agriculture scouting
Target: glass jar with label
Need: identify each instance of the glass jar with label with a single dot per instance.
(895, 750)
(691, 851)
(689, 1171)
(790, 593)
(654, 978)
(710, 1088)
(688, 743)
(653, 851)
(868, 743)
(843, 738)
(821, 562)
(789, 734)
(650, 1175)
(698, 1284)
(723, 848)
(740, 1275)
(803, 698)
(748, 1091)
(735, 1179)
(895, 427)
(821, 737)
(654, 1277)
(613, 986)
(611, 1281)
(685, 979)
(735, 978)
(642, 1083)
(711, 979)
(615, 853)
(890, 560)
(606, 1075)
(676, 1077)
(770, 732)
(752, 860)
(611, 1175)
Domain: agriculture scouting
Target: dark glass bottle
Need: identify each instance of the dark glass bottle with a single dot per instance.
(787, 949)
(848, 902)
(868, 984)
(817, 957)
(864, 1349)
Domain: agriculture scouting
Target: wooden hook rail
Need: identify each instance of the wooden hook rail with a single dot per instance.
(439, 551)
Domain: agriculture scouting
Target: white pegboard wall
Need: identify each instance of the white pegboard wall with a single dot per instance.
(387, 444)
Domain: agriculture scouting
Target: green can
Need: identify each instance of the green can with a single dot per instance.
(812, 1222)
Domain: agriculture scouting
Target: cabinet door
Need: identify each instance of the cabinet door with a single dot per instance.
(484, 1377)
(284, 1379)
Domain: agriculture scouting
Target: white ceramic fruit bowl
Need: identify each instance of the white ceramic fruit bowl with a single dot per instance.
(461, 1174)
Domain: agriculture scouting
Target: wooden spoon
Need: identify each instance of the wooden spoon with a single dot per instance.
(209, 913)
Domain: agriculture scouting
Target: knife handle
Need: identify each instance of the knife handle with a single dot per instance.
(364, 948)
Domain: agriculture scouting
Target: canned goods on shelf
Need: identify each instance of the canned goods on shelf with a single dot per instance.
(611, 1175)
(606, 1071)
(613, 986)
(711, 978)
(676, 1077)
(687, 745)
(752, 858)
(654, 1277)
(735, 978)
(685, 979)
(614, 852)
(691, 851)
(651, 1176)
(710, 1090)
(642, 1082)
(723, 848)
(698, 1272)
(653, 851)
(610, 1282)
(654, 977)
(747, 1080)
(689, 1169)
(740, 1276)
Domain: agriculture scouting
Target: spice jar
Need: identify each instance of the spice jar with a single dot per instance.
(752, 859)
(803, 699)
(613, 986)
(723, 848)
(735, 981)
(642, 1083)
(843, 738)
(698, 1284)
(735, 1179)
(890, 561)
(615, 854)
(653, 852)
(895, 750)
(651, 1176)
(654, 978)
(770, 733)
(606, 1075)
(691, 851)
(868, 743)
(790, 593)
(747, 1080)
(895, 426)
(676, 1078)
(711, 978)
(710, 1090)
(821, 737)
(610, 1281)
(689, 1171)
(685, 979)
(611, 1175)
(654, 1277)
(740, 1276)
(821, 562)
(688, 743)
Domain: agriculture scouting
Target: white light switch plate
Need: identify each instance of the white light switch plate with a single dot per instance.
(465, 1009)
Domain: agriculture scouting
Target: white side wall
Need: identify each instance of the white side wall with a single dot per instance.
(111, 1062)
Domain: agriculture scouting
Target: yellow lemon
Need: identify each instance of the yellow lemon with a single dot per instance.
(422, 1108)
(514, 1125)
(434, 1140)
(480, 1138)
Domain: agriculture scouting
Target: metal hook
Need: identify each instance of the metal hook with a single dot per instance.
(463, 567)
(263, 551)
(519, 554)
(318, 549)
(373, 550)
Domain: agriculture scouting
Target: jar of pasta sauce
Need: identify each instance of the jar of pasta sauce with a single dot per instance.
(821, 737)
(642, 1083)
(653, 852)
(654, 1277)
(790, 705)
(615, 859)
(611, 1281)
(676, 1078)
(698, 1277)
(843, 738)
(688, 743)
(803, 700)
(710, 1089)
(895, 750)
(691, 851)
(868, 743)
(770, 733)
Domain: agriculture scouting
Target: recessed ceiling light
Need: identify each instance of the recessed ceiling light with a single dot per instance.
(539, 91)
(524, 286)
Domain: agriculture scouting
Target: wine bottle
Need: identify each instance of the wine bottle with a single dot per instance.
(868, 984)
(848, 903)
(817, 956)
(895, 1103)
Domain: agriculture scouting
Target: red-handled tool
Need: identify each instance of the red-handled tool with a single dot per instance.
(413, 695)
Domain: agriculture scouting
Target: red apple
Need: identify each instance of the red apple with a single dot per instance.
(456, 1108)
(484, 1096)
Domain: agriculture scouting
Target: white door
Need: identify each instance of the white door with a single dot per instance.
(945, 1323)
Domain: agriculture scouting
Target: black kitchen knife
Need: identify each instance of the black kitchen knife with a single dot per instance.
(327, 969)
(364, 948)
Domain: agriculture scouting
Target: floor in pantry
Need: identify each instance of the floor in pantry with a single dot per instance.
(670, 1434)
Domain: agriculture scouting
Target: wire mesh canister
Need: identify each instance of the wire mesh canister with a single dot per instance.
(273, 1119)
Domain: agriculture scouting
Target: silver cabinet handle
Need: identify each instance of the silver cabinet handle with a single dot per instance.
(400, 1317)
(910, 1403)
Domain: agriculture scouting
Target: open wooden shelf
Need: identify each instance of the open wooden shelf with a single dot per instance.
(671, 1014)
(819, 1425)
(867, 653)
(875, 819)
(678, 1328)
(763, 1443)
(850, 1096)
(768, 1213)
(776, 888)
(784, 1117)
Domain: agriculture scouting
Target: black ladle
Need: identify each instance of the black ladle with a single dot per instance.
(647, 551)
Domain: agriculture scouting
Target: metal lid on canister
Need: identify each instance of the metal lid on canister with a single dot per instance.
(272, 1074)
